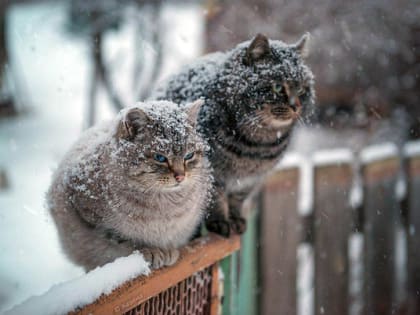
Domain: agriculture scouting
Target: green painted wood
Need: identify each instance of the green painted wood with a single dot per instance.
(240, 272)
(248, 273)
(230, 284)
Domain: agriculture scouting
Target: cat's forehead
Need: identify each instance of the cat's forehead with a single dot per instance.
(176, 144)
(172, 133)
(282, 64)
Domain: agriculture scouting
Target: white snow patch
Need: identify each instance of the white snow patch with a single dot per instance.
(65, 297)
(305, 279)
(401, 186)
(412, 148)
(355, 252)
(356, 190)
(306, 179)
(306, 187)
(356, 193)
(290, 160)
(184, 28)
(333, 157)
(378, 152)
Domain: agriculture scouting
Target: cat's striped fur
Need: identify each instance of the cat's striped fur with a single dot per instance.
(254, 95)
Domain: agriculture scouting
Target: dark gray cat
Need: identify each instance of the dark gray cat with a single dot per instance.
(140, 182)
(254, 94)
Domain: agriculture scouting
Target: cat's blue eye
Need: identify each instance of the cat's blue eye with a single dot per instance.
(189, 156)
(160, 158)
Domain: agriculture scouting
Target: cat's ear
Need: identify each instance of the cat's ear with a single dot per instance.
(302, 45)
(258, 49)
(193, 110)
(131, 122)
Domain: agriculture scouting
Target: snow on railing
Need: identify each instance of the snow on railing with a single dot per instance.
(128, 285)
(68, 296)
(379, 152)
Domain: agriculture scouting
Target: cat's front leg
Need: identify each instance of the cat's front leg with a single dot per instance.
(217, 219)
(235, 202)
(159, 257)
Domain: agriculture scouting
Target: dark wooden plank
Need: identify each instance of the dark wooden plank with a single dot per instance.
(281, 231)
(333, 223)
(413, 257)
(381, 222)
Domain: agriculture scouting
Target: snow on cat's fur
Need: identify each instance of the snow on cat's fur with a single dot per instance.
(254, 95)
(138, 182)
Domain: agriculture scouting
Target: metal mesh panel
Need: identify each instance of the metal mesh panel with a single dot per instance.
(190, 297)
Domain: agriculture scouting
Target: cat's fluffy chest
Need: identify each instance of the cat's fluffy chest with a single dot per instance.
(161, 228)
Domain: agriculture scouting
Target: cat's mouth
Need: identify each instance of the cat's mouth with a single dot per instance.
(173, 185)
(283, 115)
(277, 123)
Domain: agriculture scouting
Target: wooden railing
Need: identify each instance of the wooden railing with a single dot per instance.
(191, 286)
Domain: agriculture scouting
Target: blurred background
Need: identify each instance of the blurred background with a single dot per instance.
(65, 65)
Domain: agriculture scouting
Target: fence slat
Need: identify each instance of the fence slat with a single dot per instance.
(413, 257)
(280, 235)
(381, 221)
(333, 222)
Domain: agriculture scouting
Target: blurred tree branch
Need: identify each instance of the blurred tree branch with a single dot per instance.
(7, 103)
(96, 19)
(156, 41)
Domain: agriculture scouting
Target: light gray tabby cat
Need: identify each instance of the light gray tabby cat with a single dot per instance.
(139, 182)
(254, 95)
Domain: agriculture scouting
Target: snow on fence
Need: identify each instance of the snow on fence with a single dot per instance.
(127, 286)
(360, 222)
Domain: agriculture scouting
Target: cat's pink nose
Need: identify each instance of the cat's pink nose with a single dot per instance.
(179, 178)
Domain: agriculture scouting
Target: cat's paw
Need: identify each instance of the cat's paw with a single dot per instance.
(221, 227)
(158, 257)
(238, 224)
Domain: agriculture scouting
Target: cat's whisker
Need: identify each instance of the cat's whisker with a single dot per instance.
(150, 187)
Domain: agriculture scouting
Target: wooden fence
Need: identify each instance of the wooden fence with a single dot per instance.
(371, 200)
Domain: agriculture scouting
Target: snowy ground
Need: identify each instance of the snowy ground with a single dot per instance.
(54, 72)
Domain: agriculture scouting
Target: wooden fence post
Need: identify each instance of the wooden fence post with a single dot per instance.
(281, 232)
(380, 226)
(413, 253)
(333, 224)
